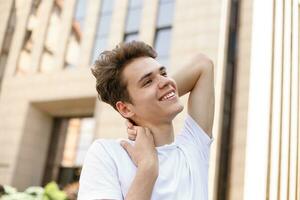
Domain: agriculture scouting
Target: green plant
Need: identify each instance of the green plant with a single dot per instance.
(50, 192)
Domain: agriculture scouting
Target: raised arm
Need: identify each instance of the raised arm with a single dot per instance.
(197, 77)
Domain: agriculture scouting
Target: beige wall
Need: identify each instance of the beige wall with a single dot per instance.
(28, 104)
(240, 105)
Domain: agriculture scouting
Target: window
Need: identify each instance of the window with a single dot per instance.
(70, 140)
(24, 62)
(48, 61)
(162, 42)
(80, 13)
(133, 20)
(103, 28)
(74, 41)
(79, 136)
(80, 133)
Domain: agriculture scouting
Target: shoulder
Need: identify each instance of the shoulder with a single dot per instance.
(106, 145)
(193, 132)
(105, 149)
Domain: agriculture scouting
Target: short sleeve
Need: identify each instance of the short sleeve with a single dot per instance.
(99, 177)
(193, 134)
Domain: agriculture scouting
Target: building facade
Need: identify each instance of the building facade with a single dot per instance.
(50, 113)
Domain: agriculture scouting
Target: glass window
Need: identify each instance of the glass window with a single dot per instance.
(133, 20)
(102, 29)
(165, 14)
(135, 3)
(163, 41)
(80, 12)
(104, 25)
(131, 36)
(85, 139)
(80, 133)
(100, 44)
(74, 41)
(107, 6)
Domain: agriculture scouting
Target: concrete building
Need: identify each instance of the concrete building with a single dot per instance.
(49, 111)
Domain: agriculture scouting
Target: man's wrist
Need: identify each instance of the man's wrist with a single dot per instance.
(149, 169)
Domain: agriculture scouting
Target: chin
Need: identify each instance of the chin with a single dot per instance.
(176, 111)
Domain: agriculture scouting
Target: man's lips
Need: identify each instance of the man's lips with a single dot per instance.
(168, 95)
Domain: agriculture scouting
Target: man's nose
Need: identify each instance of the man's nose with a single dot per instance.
(163, 82)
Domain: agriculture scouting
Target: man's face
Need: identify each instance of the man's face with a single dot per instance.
(153, 93)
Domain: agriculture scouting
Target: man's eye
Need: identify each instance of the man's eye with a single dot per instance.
(164, 74)
(147, 82)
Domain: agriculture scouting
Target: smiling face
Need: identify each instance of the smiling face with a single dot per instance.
(154, 95)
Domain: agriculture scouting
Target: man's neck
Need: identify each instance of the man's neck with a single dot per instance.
(162, 133)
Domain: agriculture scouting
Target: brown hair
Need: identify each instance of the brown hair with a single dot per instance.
(108, 69)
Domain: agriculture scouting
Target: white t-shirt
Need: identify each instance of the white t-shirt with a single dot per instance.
(108, 171)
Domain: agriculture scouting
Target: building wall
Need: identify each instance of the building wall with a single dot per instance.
(6, 32)
(272, 147)
(240, 103)
(30, 101)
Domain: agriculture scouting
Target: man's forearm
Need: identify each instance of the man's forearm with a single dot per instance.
(187, 77)
(143, 183)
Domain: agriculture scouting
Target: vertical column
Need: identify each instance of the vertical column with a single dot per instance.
(5, 11)
(40, 34)
(298, 131)
(22, 11)
(286, 104)
(276, 128)
(259, 112)
(117, 23)
(220, 95)
(93, 10)
(148, 23)
(294, 145)
(66, 25)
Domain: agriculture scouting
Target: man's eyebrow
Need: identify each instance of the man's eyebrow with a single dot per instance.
(162, 68)
(145, 76)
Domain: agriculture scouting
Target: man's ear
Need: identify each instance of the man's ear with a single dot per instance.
(124, 109)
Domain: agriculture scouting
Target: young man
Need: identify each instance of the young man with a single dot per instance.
(153, 164)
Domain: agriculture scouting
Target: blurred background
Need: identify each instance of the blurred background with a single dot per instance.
(50, 114)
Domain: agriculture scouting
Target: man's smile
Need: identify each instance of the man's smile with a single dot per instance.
(169, 95)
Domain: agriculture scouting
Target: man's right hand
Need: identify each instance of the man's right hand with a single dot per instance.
(144, 156)
(143, 152)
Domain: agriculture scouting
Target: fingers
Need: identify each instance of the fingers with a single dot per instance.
(131, 134)
(127, 146)
(134, 131)
(137, 130)
(128, 124)
(131, 131)
(132, 137)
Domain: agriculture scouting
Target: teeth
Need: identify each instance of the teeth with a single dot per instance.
(169, 95)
